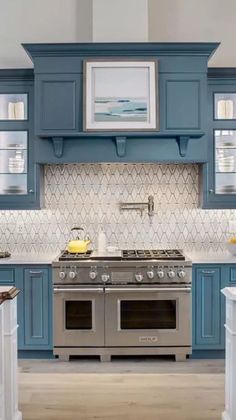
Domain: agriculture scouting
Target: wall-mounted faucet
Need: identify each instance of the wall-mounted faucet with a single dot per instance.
(149, 205)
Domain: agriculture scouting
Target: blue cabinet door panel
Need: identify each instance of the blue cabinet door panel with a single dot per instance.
(182, 104)
(7, 276)
(37, 307)
(207, 308)
(58, 103)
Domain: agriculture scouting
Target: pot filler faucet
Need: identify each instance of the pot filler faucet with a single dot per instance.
(149, 205)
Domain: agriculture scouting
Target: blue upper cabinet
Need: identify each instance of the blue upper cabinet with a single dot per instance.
(19, 176)
(181, 83)
(59, 104)
(219, 175)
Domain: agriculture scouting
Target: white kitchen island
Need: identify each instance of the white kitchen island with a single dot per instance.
(230, 366)
(8, 354)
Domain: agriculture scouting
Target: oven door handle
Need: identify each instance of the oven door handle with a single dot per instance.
(147, 289)
(78, 289)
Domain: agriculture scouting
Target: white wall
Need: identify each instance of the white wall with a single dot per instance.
(120, 20)
(71, 21)
(41, 21)
(196, 20)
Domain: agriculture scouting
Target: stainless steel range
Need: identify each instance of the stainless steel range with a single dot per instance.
(130, 303)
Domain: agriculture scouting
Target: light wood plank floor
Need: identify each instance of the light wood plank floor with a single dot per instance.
(116, 396)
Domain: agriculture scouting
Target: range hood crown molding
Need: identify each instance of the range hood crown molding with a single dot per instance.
(121, 48)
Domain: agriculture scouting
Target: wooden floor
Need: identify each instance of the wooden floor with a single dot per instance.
(116, 396)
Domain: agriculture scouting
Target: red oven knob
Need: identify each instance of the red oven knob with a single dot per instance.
(139, 277)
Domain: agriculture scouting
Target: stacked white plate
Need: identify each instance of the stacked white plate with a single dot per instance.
(226, 164)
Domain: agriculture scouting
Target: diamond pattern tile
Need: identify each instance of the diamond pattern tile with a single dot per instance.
(88, 195)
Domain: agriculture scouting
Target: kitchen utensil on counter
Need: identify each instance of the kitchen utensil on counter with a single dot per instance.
(102, 241)
(5, 254)
(78, 246)
(231, 245)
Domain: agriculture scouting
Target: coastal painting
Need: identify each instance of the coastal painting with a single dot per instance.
(121, 109)
(120, 95)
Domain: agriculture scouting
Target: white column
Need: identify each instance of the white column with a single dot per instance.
(120, 20)
(8, 361)
(230, 363)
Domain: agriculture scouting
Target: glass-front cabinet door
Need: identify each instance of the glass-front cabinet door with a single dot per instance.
(219, 174)
(13, 162)
(19, 176)
(225, 161)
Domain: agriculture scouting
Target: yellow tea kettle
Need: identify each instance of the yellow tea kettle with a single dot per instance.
(78, 246)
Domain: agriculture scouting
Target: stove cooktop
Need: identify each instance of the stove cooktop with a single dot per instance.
(128, 254)
(152, 254)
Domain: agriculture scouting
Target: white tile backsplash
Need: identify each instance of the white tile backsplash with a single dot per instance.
(88, 195)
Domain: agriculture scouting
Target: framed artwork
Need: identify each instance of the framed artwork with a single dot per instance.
(120, 95)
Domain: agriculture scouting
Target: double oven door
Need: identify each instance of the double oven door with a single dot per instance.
(78, 316)
(122, 316)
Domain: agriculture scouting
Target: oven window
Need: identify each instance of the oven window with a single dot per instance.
(78, 314)
(147, 314)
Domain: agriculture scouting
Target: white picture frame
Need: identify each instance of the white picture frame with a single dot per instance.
(120, 95)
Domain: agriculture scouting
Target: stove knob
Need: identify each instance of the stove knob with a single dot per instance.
(171, 274)
(150, 274)
(72, 274)
(105, 278)
(181, 274)
(93, 275)
(139, 277)
(160, 274)
(62, 275)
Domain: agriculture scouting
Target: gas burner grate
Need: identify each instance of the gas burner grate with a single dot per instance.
(68, 256)
(152, 254)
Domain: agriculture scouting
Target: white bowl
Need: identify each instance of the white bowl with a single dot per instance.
(231, 248)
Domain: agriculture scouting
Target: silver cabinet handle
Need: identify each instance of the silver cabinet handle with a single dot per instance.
(211, 191)
(149, 289)
(36, 272)
(208, 271)
(92, 290)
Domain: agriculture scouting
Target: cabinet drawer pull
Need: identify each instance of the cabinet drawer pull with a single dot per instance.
(208, 271)
(36, 272)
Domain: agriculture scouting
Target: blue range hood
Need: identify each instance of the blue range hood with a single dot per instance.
(182, 104)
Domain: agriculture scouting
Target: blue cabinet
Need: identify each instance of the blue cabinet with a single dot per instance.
(58, 104)
(20, 178)
(34, 304)
(218, 176)
(208, 309)
(207, 325)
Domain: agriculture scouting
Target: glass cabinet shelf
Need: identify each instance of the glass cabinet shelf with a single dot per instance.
(13, 162)
(13, 106)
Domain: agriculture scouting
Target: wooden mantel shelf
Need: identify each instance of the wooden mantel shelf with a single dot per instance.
(8, 292)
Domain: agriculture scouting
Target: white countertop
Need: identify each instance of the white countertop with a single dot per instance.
(204, 257)
(230, 292)
(197, 257)
(28, 259)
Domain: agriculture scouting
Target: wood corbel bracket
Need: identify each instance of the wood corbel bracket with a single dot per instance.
(58, 145)
(182, 142)
(121, 146)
